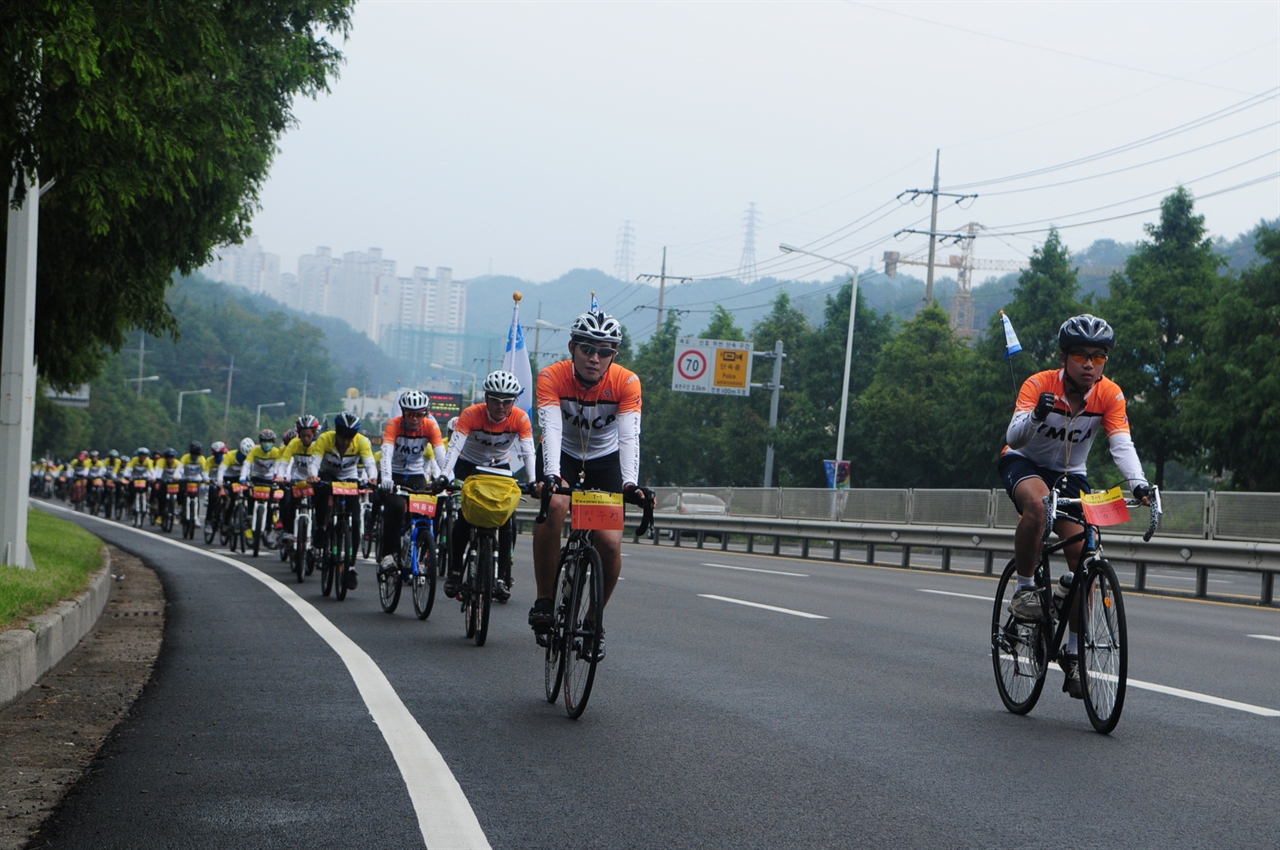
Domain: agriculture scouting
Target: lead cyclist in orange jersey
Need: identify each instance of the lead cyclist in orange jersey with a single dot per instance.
(405, 443)
(589, 411)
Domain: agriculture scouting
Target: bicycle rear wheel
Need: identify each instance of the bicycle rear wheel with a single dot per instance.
(389, 587)
(469, 581)
(1019, 650)
(212, 514)
(484, 584)
(343, 531)
(1104, 647)
(583, 628)
(302, 541)
(424, 577)
(553, 666)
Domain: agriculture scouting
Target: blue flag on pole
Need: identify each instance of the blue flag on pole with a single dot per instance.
(595, 305)
(516, 360)
(1011, 344)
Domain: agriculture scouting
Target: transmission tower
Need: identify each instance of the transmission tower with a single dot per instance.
(747, 265)
(625, 256)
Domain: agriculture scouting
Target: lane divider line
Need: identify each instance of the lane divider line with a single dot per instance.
(804, 614)
(951, 593)
(755, 570)
(1265, 637)
(445, 817)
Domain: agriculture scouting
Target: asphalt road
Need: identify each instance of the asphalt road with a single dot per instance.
(713, 724)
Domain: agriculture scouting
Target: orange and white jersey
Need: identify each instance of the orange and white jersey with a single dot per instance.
(404, 452)
(1062, 441)
(590, 422)
(478, 439)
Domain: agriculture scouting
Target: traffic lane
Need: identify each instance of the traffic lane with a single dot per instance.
(933, 705)
(251, 732)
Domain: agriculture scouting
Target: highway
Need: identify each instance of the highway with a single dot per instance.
(857, 710)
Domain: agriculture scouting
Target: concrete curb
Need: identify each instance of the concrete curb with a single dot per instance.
(27, 654)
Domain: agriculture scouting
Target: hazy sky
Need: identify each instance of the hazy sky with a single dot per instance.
(517, 137)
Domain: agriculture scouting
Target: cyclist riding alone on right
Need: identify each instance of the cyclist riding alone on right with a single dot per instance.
(1057, 416)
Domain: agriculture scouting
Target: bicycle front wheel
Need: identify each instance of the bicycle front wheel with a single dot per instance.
(389, 587)
(301, 543)
(424, 577)
(1104, 647)
(484, 583)
(343, 530)
(583, 629)
(1019, 650)
(553, 666)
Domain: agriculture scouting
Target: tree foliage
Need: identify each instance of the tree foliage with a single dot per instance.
(155, 124)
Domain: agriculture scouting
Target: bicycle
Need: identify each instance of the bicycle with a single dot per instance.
(370, 523)
(213, 514)
(303, 518)
(578, 622)
(416, 560)
(446, 512)
(1022, 650)
(264, 498)
(141, 503)
(169, 506)
(487, 506)
(190, 510)
(341, 538)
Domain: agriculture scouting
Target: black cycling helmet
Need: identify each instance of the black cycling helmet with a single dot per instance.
(196, 447)
(170, 452)
(305, 421)
(347, 425)
(1086, 330)
(266, 435)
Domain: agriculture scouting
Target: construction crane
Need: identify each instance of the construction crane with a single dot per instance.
(962, 312)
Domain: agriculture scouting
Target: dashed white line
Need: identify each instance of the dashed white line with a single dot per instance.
(1266, 637)
(445, 817)
(793, 613)
(961, 595)
(756, 570)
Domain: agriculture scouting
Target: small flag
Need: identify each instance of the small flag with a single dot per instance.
(595, 305)
(1011, 344)
(516, 360)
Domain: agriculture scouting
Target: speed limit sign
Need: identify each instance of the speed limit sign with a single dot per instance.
(691, 364)
(717, 366)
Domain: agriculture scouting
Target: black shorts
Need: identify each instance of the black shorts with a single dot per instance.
(1015, 469)
(602, 473)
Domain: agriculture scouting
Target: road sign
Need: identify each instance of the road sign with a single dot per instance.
(716, 366)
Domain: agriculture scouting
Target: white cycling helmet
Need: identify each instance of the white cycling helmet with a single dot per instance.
(414, 400)
(502, 383)
(246, 445)
(596, 327)
(453, 424)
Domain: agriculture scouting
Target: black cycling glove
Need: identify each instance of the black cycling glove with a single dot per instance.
(1044, 407)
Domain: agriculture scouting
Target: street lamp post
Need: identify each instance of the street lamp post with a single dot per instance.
(848, 343)
(461, 372)
(258, 425)
(141, 381)
(189, 392)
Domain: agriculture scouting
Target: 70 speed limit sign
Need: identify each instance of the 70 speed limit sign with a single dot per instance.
(717, 366)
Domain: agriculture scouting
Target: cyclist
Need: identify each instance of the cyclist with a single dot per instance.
(485, 435)
(339, 455)
(232, 465)
(589, 412)
(217, 452)
(405, 443)
(1055, 420)
(167, 470)
(295, 465)
(195, 467)
(139, 466)
(261, 466)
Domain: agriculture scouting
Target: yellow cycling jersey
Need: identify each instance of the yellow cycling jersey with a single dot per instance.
(194, 468)
(260, 464)
(296, 459)
(332, 466)
(140, 465)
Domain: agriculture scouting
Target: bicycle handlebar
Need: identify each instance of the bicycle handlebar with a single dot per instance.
(1054, 500)
(549, 490)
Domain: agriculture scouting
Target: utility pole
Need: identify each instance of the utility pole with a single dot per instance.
(226, 410)
(304, 394)
(142, 352)
(775, 387)
(662, 285)
(932, 232)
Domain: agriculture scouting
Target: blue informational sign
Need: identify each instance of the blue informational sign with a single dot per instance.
(838, 473)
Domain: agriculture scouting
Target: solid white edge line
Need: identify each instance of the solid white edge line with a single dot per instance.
(755, 570)
(804, 614)
(1264, 637)
(445, 817)
(951, 593)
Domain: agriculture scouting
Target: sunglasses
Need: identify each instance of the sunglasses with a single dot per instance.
(501, 399)
(1082, 358)
(592, 350)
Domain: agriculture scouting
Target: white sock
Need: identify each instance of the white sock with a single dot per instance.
(1026, 581)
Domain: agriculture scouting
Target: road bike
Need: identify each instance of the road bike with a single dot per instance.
(488, 500)
(416, 559)
(78, 494)
(190, 510)
(1093, 607)
(238, 517)
(370, 523)
(578, 606)
(169, 506)
(342, 537)
(261, 526)
(213, 521)
(446, 512)
(141, 503)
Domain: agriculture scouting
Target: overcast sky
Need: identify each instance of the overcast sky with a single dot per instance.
(518, 137)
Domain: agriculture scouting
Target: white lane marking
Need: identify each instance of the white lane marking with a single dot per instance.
(445, 818)
(1211, 700)
(804, 614)
(950, 593)
(755, 570)
(1265, 637)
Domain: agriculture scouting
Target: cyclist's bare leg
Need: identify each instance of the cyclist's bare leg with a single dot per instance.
(1028, 496)
(609, 545)
(546, 546)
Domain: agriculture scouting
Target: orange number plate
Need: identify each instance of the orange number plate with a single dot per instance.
(596, 511)
(422, 505)
(345, 488)
(193, 487)
(173, 488)
(302, 491)
(261, 491)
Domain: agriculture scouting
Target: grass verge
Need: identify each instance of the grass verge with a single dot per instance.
(65, 555)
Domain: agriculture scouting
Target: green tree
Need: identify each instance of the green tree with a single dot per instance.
(1234, 407)
(1159, 306)
(155, 123)
(906, 420)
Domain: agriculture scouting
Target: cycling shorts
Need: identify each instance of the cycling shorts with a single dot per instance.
(1014, 469)
(602, 473)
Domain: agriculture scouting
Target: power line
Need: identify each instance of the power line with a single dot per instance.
(747, 265)
(624, 256)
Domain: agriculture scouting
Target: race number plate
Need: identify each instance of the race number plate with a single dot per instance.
(596, 511)
(192, 488)
(302, 491)
(238, 488)
(1105, 508)
(261, 491)
(277, 495)
(422, 505)
(172, 488)
(139, 484)
(345, 488)
(97, 482)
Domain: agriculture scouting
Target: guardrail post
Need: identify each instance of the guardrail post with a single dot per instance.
(871, 553)
(906, 557)
(804, 547)
(946, 560)
(835, 551)
(724, 541)
(1268, 587)
(751, 543)
(777, 545)
(702, 538)
(988, 562)
(1202, 581)
(1140, 576)
(675, 537)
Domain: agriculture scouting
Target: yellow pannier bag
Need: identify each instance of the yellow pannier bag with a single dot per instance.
(488, 501)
